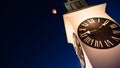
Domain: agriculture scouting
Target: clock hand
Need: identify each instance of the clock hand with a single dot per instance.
(89, 32)
(104, 24)
(98, 28)
(93, 30)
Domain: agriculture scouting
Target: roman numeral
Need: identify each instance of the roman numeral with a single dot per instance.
(113, 26)
(91, 21)
(116, 31)
(82, 29)
(98, 43)
(84, 24)
(83, 35)
(115, 38)
(108, 43)
(87, 39)
(106, 22)
(92, 42)
(98, 20)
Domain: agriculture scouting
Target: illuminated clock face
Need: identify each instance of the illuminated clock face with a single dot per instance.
(99, 33)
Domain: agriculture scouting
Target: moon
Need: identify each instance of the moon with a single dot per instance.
(54, 11)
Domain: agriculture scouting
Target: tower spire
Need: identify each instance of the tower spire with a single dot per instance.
(75, 4)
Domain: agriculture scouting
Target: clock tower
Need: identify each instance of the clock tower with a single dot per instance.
(94, 34)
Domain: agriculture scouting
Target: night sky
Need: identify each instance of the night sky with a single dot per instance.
(33, 37)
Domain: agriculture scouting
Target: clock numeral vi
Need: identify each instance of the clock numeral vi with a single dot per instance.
(98, 43)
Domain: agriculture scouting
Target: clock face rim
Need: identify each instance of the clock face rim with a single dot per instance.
(111, 29)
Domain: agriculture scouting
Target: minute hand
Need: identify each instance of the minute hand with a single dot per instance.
(104, 24)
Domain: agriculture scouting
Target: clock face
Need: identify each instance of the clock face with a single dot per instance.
(99, 33)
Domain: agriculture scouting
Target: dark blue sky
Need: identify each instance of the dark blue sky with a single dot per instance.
(32, 37)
